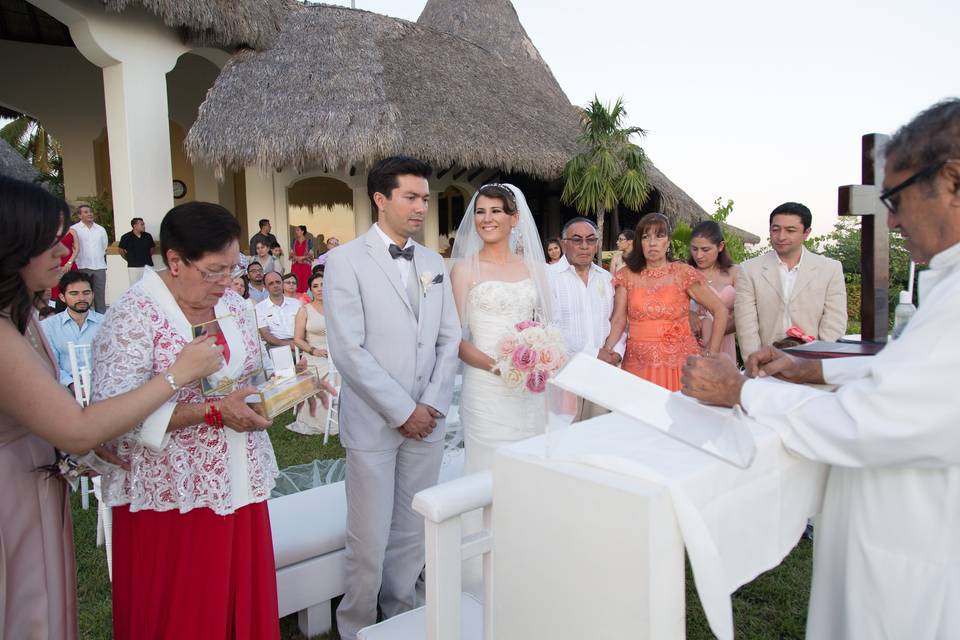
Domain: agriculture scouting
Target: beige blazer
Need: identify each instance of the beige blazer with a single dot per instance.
(818, 304)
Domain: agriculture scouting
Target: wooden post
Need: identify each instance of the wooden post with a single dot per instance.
(863, 200)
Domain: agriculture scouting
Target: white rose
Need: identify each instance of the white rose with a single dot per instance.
(534, 336)
(514, 378)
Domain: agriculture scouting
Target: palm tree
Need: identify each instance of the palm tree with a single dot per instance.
(34, 142)
(610, 170)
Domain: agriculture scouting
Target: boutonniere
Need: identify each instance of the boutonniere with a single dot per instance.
(427, 280)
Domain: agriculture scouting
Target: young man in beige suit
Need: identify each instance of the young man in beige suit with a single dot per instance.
(789, 286)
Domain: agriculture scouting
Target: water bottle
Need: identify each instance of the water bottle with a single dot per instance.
(903, 313)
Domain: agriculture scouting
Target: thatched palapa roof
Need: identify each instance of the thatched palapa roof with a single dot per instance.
(230, 24)
(13, 165)
(344, 86)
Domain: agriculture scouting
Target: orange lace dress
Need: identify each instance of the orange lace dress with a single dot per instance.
(658, 305)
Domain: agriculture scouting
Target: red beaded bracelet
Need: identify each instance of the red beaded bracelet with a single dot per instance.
(213, 417)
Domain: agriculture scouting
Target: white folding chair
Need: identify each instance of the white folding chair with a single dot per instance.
(333, 414)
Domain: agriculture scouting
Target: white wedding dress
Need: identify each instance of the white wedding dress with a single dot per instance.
(492, 413)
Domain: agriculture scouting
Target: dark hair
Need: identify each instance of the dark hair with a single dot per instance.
(628, 234)
(263, 242)
(263, 222)
(134, 221)
(254, 262)
(313, 276)
(246, 286)
(194, 229)
(501, 193)
(302, 227)
(317, 268)
(794, 209)
(546, 247)
(931, 137)
(71, 277)
(287, 276)
(635, 260)
(46, 312)
(711, 231)
(83, 205)
(274, 245)
(30, 223)
(383, 176)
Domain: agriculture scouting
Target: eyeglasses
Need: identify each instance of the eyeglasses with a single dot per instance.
(888, 197)
(589, 241)
(218, 276)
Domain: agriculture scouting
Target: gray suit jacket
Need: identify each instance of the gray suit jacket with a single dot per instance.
(818, 303)
(388, 359)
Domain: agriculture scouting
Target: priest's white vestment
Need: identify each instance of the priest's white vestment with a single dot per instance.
(887, 544)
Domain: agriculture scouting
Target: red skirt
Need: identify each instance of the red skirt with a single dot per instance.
(194, 575)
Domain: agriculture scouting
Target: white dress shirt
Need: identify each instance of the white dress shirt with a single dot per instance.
(788, 279)
(404, 267)
(277, 318)
(583, 310)
(93, 246)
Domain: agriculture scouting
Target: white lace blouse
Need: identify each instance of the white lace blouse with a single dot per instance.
(194, 467)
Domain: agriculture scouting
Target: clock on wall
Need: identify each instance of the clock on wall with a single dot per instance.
(179, 189)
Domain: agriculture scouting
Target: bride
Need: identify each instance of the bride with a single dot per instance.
(498, 279)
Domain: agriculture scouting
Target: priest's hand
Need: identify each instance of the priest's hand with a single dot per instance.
(770, 361)
(712, 379)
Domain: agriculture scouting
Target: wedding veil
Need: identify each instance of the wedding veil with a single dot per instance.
(525, 242)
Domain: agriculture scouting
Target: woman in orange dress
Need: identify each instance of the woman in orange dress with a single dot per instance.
(654, 291)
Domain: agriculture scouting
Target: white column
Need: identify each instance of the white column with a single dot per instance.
(362, 216)
(138, 128)
(431, 225)
(79, 164)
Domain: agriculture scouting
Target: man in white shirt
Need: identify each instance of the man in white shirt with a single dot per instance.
(583, 293)
(789, 286)
(887, 552)
(92, 258)
(275, 315)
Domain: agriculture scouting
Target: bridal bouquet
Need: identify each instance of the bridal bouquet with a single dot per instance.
(529, 354)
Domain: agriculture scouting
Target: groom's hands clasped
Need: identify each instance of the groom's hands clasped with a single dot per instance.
(421, 422)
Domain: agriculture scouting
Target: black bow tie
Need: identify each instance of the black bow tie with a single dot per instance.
(397, 252)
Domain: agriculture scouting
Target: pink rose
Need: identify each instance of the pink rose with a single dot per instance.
(537, 381)
(520, 326)
(524, 358)
(506, 345)
(550, 358)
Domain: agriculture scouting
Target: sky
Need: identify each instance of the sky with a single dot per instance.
(758, 101)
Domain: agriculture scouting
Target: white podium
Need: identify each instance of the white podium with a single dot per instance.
(574, 547)
(590, 542)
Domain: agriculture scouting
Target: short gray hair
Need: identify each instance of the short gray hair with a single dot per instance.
(932, 136)
(563, 234)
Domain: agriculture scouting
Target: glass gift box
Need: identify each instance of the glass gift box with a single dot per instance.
(281, 392)
(275, 394)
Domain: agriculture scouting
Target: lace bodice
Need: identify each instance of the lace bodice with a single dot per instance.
(658, 306)
(494, 306)
(193, 469)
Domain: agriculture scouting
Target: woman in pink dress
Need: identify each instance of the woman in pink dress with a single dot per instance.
(38, 577)
(708, 253)
(653, 292)
(301, 255)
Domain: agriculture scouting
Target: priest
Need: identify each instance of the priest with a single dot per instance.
(887, 550)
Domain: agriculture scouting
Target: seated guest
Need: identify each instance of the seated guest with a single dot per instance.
(38, 577)
(192, 550)
(276, 314)
(262, 256)
(78, 323)
(789, 286)
(241, 284)
(257, 290)
(290, 286)
(331, 244)
(276, 251)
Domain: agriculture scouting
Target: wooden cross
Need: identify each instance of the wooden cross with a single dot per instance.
(864, 200)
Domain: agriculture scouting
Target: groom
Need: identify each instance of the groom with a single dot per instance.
(394, 334)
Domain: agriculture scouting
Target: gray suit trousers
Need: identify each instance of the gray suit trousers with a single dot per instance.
(383, 530)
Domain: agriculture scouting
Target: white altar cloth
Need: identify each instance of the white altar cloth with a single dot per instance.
(735, 523)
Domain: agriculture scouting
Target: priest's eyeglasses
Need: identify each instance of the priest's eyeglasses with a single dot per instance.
(889, 197)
